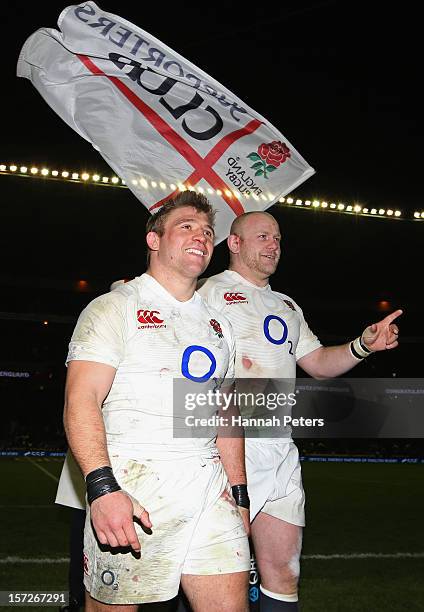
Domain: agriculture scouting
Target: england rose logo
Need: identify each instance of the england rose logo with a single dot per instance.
(269, 157)
(216, 327)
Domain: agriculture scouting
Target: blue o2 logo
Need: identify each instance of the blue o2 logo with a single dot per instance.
(284, 329)
(186, 361)
(253, 594)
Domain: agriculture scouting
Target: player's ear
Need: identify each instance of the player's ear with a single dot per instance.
(233, 242)
(153, 241)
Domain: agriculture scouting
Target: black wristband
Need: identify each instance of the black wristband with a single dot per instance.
(241, 495)
(100, 482)
(363, 347)
(355, 353)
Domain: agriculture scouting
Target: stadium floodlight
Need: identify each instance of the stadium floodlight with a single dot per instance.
(229, 193)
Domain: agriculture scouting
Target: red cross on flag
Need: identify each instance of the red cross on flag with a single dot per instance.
(160, 122)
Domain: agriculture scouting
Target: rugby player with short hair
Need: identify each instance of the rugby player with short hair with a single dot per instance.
(160, 509)
(271, 337)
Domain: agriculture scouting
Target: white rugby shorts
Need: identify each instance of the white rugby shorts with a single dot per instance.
(197, 529)
(274, 480)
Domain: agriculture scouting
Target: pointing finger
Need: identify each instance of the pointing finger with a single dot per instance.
(391, 317)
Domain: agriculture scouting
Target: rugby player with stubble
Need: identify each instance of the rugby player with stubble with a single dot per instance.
(272, 336)
(160, 509)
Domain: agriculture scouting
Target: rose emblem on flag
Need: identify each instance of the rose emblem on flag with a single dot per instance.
(269, 157)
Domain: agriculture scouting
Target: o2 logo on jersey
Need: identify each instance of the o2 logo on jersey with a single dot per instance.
(284, 332)
(185, 363)
(253, 594)
(149, 319)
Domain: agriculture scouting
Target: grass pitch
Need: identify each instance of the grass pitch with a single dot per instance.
(352, 510)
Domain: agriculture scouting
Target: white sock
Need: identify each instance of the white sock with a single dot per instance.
(279, 596)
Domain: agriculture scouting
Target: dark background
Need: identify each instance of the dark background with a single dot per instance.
(340, 80)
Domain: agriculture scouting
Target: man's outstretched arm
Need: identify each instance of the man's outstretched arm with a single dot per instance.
(330, 361)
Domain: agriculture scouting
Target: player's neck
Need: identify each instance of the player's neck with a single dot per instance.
(181, 288)
(249, 275)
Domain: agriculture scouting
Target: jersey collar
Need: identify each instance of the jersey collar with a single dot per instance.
(240, 279)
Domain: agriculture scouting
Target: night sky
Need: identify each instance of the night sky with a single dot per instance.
(338, 79)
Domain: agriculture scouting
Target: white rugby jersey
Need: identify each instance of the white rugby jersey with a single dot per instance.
(151, 338)
(270, 330)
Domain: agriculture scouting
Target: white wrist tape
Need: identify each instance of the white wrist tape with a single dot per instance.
(358, 349)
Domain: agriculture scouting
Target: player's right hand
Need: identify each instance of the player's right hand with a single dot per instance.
(113, 515)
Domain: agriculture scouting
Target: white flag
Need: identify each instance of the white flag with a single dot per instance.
(160, 122)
